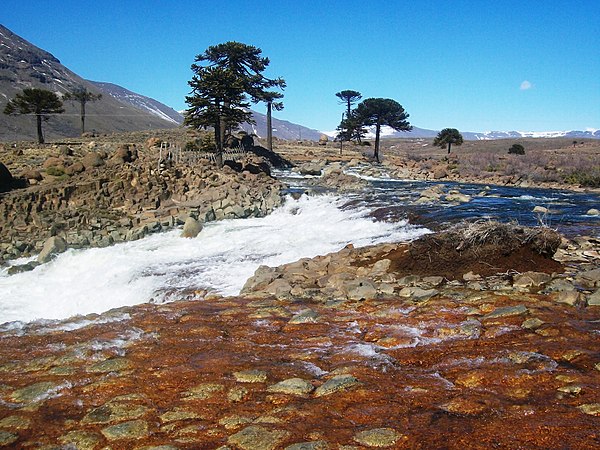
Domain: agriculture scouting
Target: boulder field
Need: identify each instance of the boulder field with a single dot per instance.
(97, 198)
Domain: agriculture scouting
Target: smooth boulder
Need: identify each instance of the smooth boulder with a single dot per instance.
(191, 228)
(52, 246)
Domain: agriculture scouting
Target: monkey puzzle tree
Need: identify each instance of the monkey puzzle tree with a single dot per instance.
(82, 96)
(348, 98)
(269, 98)
(380, 112)
(447, 137)
(39, 102)
(226, 77)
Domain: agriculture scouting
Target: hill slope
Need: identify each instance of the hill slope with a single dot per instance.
(23, 65)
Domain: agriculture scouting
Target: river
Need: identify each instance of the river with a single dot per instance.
(164, 267)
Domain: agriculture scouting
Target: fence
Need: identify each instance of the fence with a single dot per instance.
(178, 155)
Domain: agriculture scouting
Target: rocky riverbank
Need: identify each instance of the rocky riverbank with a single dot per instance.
(94, 195)
(348, 351)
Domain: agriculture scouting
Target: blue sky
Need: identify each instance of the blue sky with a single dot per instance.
(483, 65)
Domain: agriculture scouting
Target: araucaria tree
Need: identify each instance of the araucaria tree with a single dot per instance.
(380, 112)
(270, 99)
(38, 102)
(447, 137)
(348, 98)
(82, 96)
(226, 78)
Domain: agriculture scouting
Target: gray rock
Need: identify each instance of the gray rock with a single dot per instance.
(360, 289)
(258, 438)
(292, 386)
(379, 437)
(593, 212)
(250, 376)
(336, 384)
(134, 429)
(82, 440)
(34, 393)
(593, 409)
(52, 246)
(506, 311)
(110, 365)
(7, 438)
(594, 299)
(114, 412)
(568, 297)
(315, 445)
(306, 316)
(191, 228)
(92, 160)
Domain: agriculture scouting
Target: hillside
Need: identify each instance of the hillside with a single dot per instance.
(23, 65)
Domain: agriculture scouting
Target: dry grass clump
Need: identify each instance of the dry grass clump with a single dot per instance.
(508, 236)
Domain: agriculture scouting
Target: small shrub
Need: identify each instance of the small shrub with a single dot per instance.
(587, 179)
(55, 171)
(191, 146)
(516, 149)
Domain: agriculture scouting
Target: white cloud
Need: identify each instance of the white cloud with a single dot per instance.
(526, 85)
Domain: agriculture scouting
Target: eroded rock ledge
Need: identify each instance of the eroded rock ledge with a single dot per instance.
(480, 256)
(118, 200)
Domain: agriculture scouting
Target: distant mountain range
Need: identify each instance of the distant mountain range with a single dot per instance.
(421, 133)
(22, 65)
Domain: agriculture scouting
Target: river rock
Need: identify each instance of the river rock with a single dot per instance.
(506, 311)
(594, 299)
(593, 212)
(82, 440)
(378, 437)
(540, 210)
(7, 438)
(191, 228)
(314, 445)
(336, 384)
(52, 247)
(292, 386)
(134, 429)
(311, 168)
(258, 438)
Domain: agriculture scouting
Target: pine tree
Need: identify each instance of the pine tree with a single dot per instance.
(447, 137)
(380, 112)
(39, 102)
(82, 96)
(226, 78)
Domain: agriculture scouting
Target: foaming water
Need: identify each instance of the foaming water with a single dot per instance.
(165, 267)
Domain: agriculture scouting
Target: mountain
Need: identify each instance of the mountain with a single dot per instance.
(588, 134)
(23, 65)
(282, 129)
(139, 101)
(387, 132)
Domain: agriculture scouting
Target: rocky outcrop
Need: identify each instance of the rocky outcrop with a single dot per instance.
(127, 199)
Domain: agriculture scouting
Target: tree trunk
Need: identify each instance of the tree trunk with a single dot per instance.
(269, 127)
(449, 147)
(38, 118)
(218, 143)
(82, 117)
(377, 131)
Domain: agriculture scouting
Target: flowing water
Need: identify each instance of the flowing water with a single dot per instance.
(165, 267)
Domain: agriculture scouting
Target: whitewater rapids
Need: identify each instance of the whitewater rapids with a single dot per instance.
(165, 267)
